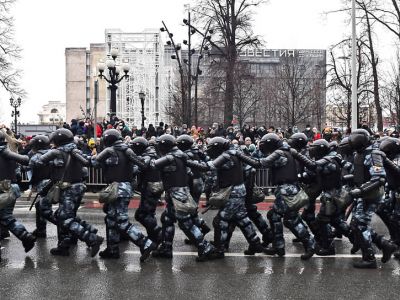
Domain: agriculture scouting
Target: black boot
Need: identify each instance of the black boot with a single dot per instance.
(109, 253)
(254, 248)
(206, 251)
(28, 241)
(146, 249)
(267, 238)
(163, 251)
(59, 251)
(325, 252)
(309, 252)
(272, 251)
(368, 261)
(388, 248)
(95, 246)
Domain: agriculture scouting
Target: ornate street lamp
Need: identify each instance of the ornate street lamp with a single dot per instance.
(15, 113)
(142, 95)
(113, 77)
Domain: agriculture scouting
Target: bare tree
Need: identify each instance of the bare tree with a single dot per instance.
(366, 6)
(387, 13)
(391, 92)
(232, 22)
(247, 93)
(339, 82)
(292, 85)
(9, 51)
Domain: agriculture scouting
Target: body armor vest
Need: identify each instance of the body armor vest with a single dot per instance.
(175, 174)
(73, 174)
(40, 173)
(332, 179)
(122, 171)
(232, 176)
(286, 174)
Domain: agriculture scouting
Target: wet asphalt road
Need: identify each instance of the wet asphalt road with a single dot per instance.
(38, 275)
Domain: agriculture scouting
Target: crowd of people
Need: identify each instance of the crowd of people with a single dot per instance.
(353, 172)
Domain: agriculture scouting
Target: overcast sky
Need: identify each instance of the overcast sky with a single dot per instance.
(44, 28)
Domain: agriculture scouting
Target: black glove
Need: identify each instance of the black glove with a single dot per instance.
(355, 193)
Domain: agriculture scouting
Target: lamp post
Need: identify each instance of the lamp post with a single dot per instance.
(142, 95)
(113, 77)
(15, 113)
(192, 79)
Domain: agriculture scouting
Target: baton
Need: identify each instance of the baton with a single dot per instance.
(34, 201)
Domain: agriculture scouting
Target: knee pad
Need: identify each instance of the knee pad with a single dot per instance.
(67, 223)
(123, 222)
(244, 222)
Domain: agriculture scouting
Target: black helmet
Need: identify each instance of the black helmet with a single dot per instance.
(298, 141)
(165, 143)
(138, 145)
(344, 147)
(319, 149)
(269, 143)
(216, 146)
(61, 137)
(359, 139)
(333, 146)
(184, 142)
(110, 136)
(391, 147)
(40, 142)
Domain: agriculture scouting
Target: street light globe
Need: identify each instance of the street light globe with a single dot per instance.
(101, 67)
(141, 95)
(110, 63)
(114, 52)
(125, 67)
(11, 101)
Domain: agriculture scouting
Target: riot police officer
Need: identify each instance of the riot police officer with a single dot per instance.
(389, 209)
(117, 161)
(308, 179)
(227, 161)
(8, 185)
(196, 184)
(40, 181)
(180, 205)
(369, 178)
(284, 177)
(328, 166)
(66, 165)
(150, 187)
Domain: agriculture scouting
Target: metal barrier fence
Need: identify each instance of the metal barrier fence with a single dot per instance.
(96, 181)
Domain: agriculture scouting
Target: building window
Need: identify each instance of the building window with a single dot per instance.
(54, 111)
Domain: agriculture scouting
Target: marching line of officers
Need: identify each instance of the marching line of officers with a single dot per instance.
(359, 175)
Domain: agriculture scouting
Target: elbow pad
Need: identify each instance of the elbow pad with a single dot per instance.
(197, 165)
(248, 160)
(371, 185)
(220, 160)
